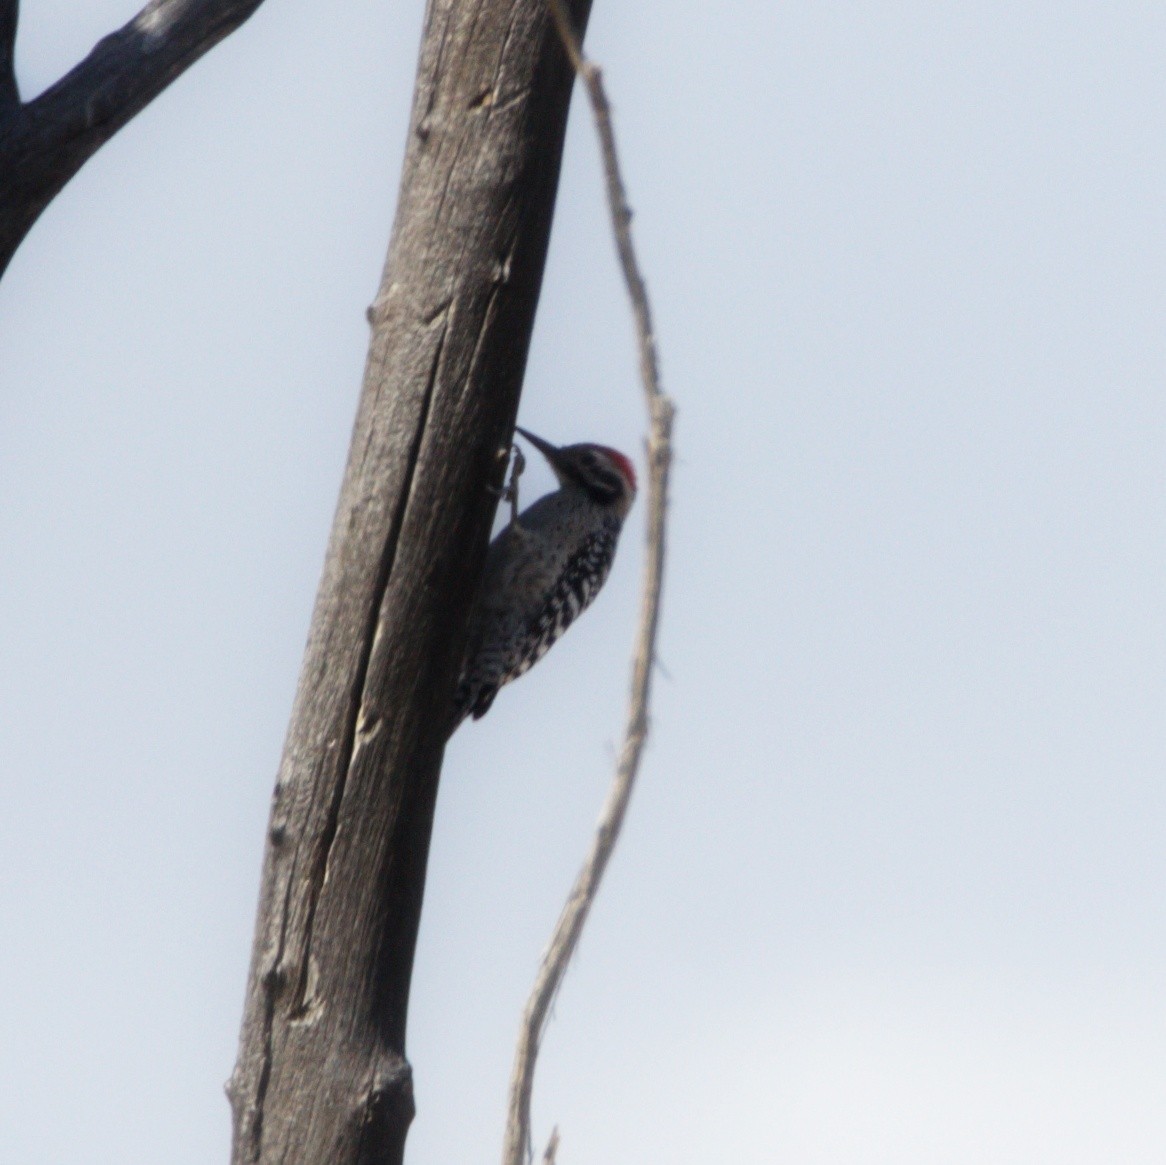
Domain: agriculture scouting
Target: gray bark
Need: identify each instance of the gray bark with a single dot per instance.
(321, 1074)
(44, 142)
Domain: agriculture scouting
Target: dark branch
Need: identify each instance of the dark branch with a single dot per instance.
(46, 141)
(9, 14)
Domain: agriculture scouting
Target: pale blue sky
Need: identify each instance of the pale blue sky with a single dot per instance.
(893, 885)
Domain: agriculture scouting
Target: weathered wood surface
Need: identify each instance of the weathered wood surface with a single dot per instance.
(321, 1075)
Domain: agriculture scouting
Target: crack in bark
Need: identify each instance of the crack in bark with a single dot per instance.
(424, 122)
(273, 979)
(319, 874)
(483, 330)
(510, 22)
(450, 173)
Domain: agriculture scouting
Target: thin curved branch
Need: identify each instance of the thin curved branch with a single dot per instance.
(661, 411)
(44, 142)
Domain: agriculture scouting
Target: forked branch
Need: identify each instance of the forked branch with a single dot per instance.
(516, 1150)
(44, 142)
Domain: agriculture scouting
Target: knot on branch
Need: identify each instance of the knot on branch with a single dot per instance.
(385, 1109)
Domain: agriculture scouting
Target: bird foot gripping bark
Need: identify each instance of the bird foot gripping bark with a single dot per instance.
(509, 492)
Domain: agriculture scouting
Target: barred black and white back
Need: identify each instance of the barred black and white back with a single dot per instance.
(545, 569)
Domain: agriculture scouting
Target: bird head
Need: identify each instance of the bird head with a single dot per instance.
(604, 474)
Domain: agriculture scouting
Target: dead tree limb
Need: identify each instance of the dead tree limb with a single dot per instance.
(321, 1075)
(44, 142)
(516, 1149)
(9, 94)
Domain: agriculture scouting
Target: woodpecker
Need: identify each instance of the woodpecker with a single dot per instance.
(544, 568)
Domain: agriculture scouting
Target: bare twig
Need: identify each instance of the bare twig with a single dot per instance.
(660, 416)
(552, 1147)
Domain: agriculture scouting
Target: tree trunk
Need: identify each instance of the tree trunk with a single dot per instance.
(321, 1075)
